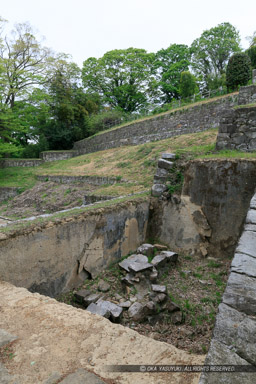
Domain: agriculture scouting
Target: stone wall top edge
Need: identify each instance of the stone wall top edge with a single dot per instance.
(56, 221)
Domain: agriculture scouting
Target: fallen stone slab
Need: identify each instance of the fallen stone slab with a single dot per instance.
(81, 376)
(168, 156)
(140, 267)
(240, 293)
(81, 295)
(158, 189)
(92, 298)
(247, 243)
(158, 288)
(98, 310)
(244, 264)
(162, 163)
(6, 337)
(136, 311)
(146, 249)
(137, 258)
(164, 257)
(114, 309)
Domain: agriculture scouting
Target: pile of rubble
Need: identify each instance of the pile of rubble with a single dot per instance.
(165, 165)
(142, 298)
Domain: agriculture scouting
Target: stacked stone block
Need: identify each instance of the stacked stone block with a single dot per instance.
(165, 164)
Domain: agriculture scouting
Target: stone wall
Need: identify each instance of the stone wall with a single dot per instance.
(234, 337)
(95, 180)
(8, 192)
(238, 129)
(57, 155)
(247, 95)
(194, 119)
(4, 163)
(208, 216)
(55, 256)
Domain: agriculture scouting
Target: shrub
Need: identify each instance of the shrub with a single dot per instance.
(238, 71)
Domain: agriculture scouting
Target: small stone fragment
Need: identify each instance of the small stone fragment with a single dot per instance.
(103, 286)
(171, 256)
(125, 304)
(146, 249)
(136, 311)
(160, 298)
(158, 288)
(170, 306)
(177, 317)
(160, 247)
(114, 309)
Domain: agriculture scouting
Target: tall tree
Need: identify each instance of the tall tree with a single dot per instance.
(122, 78)
(169, 64)
(211, 51)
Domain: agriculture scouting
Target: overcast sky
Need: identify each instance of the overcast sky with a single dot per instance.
(89, 28)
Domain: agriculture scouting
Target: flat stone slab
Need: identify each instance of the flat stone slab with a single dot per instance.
(240, 293)
(162, 163)
(6, 337)
(244, 264)
(98, 310)
(237, 331)
(138, 258)
(81, 376)
(247, 243)
(158, 288)
(168, 156)
(139, 267)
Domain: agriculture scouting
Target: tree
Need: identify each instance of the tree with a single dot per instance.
(251, 52)
(169, 64)
(122, 78)
(211, 51)
(238, 71)
(188, 85)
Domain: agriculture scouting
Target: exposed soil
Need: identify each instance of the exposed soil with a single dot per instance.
(195, 284)
(47, 197)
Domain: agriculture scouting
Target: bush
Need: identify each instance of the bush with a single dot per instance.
(251, 52)
(238, 71)
(105, 120)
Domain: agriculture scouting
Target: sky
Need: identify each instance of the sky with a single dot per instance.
(90, 28)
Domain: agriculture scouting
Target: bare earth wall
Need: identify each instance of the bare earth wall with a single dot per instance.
(55, 256)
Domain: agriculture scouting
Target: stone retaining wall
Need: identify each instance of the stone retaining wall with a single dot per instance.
(95, 180)
(190, 120)
(234, 337)
(238, 129)
(57, 155)
(8, 192)
(53, 256)
(4, 163)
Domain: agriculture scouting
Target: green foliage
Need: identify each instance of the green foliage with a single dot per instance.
(211, 51)
(188, 85)
(168, 65)
(121, 77)
(251, 52)
(238, 71)
(105, 120)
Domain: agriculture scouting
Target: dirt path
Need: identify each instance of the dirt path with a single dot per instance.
(55, 337)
